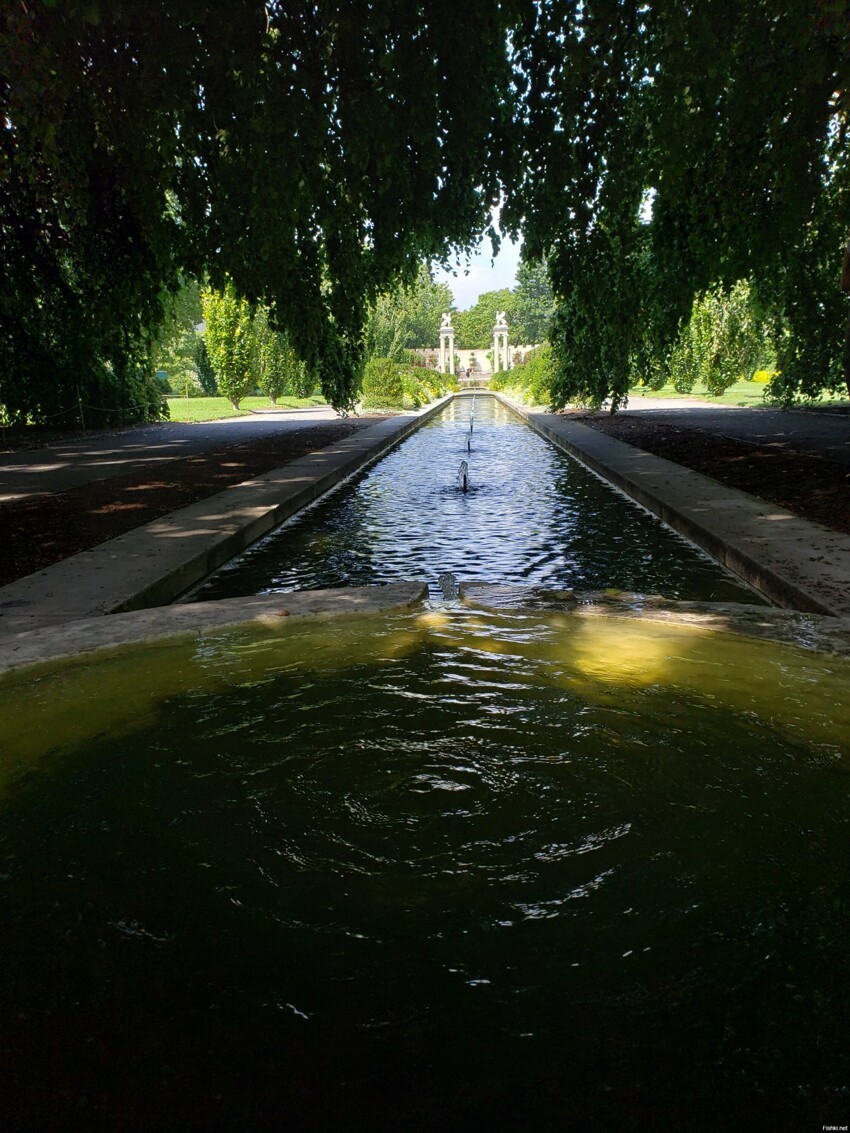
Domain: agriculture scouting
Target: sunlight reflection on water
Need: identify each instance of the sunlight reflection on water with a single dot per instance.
(531, 515)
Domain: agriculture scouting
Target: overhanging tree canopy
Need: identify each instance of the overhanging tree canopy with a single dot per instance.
(308, 152)
(723, 120)
(312, 153)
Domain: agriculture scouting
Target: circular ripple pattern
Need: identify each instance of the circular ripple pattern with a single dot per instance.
(445, 889)
(532, 515)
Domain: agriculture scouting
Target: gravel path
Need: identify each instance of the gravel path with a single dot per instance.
(48, 526)
(68, 464)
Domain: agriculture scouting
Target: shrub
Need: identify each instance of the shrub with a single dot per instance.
(414, 393)
(387, 385)
(382, 387)
(530, 382)
(190, 385)
(183, 381)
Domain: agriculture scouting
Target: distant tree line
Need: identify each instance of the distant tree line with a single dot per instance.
(407, 318)
(215, 342)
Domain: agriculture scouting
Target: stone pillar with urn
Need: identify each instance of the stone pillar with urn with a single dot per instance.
(501, 345)
(447, 345)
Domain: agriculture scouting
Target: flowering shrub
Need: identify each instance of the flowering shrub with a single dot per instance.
(530, 382)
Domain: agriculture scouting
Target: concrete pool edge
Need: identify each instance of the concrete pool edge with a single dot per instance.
(818, 633)
(154, 564)
(92, 638)
(86, 637)
(793, 562)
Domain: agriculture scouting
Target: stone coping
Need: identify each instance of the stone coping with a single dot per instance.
(81, 639)
(816, 632)
(797, 564)
(154, 564)
(792, 561)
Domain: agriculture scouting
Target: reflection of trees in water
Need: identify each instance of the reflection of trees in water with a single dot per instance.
(392, 830)
(606, 545)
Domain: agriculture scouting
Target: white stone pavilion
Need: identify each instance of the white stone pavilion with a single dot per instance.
(457, 361)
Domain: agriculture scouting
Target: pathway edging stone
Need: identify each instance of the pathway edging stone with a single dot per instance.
(155, 563)
(795, 563)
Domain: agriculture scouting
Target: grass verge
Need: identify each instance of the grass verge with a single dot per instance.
(744, 394)
(214, 408)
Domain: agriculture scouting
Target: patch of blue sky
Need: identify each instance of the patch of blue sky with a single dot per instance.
(473, 275)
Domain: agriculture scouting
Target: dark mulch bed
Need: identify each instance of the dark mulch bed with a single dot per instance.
(808, 486)
(45, 529)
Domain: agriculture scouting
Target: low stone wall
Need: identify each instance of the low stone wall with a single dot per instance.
(88, 636)
(814, 632)
(792, 561)
(83, 640)
(154, 564)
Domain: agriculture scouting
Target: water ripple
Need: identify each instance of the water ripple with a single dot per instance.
(533, 515)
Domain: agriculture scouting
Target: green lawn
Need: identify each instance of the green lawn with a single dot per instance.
(212, 408)
(741, 393)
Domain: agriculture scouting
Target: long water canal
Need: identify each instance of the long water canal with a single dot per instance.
(532, 515)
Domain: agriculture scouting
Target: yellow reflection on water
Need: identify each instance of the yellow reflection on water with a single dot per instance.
(796, 690)
(53, 710)
(433, 619)
(621, 652)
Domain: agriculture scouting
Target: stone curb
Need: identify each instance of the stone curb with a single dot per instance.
(152, 565)
(814, 632)
(792, 561)
(81, 639)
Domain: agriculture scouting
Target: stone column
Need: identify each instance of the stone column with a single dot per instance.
(501, 353)
(447, 345)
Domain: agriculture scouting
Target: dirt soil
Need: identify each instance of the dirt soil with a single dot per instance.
(809, 486)
(42, 530)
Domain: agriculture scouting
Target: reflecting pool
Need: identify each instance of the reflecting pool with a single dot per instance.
(445, 870)
(531, 515)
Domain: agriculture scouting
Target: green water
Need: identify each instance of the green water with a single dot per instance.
(454, 870)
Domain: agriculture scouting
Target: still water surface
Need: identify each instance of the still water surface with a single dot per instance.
(531, 515)
(448, 870)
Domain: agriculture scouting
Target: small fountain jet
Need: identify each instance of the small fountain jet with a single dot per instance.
(463, 476)
(448, 585)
